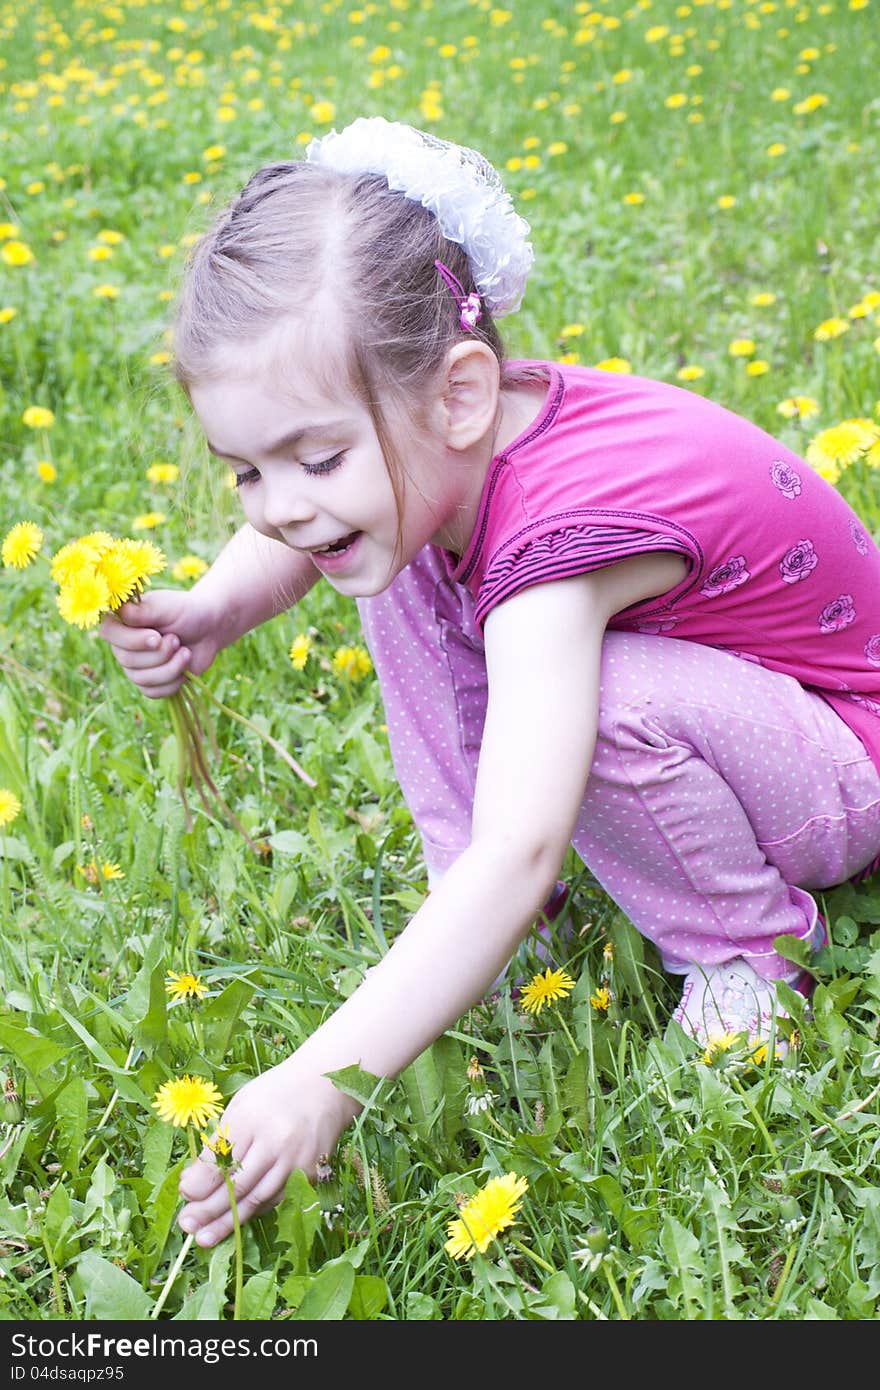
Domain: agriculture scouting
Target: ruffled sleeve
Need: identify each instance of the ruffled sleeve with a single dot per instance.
(568, 551)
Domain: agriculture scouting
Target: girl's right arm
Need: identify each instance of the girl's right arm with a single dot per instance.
(168, 632)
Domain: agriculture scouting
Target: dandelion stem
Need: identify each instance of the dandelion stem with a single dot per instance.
(236, 1229)
(615, 1292)
(530, 1254)
(175, 1270)
(261, 733)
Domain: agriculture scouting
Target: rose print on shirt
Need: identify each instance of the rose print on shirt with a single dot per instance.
(786, 479)
(859, 539)
(872, 649)
(865, 703)
(664, 625)
(726, 577)
(837, 614)
(798, 562)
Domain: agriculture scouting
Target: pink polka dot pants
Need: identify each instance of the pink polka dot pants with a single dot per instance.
(720, 790)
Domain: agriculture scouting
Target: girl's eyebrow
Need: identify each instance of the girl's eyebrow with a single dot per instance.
(289, 441)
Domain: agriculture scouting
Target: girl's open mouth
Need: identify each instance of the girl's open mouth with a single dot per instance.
(336, 553)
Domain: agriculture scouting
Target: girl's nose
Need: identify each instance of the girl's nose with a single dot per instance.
(285, 502)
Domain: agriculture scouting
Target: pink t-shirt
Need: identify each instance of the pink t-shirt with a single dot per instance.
(780, 569)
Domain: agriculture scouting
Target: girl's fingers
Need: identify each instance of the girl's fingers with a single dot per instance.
(203, 1177)
(170, 673)
(129, 638)
(139, 659)
(247, 1179)
(259, 1199)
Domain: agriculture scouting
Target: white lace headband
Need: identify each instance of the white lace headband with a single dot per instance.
(456, 184)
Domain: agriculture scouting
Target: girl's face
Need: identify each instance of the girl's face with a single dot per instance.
(311, 474)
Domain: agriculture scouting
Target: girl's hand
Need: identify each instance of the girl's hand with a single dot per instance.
(158, 639)
(285, 1119)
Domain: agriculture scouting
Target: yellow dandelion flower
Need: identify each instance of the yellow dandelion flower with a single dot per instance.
(106, 291)
(10, 806)
(146, 557)
(188, 1100)
(608, 951)
(776, 149)
(299, 651)
(800, 407)
(322, 112)
(757, 368)
(160, 359)
(830, 328)
(759, 1056)
(741, 347)
(117, 570)
(220, 1145)
(110, 237)
(93, 872)
(571, 330)
(163, 473)
(352, 662)
(726, 201)
(37, 417)
(717, 1046)
(7, 314)
(17, 253)
(147, 521)
(763, 299)
(843, 444)
(601, 999)
(633, 200)
(21, 545)
(545, 989)
(183, 985)
(72, 560)
(46, 471)
(614, 364)
(84, 600)
(100, 253)
(213, 153)
(189, 567)
(485, 1215)
(809, 104)
(690, 373)
(7, 230)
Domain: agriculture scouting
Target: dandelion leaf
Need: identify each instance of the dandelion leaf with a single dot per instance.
(368, 1297)
(421, 1084)
(71, 1116)
(109, 1292)
(146, 1004)
(299, 1217)
(220, 1017)
(36, 1054)
(327, 1296)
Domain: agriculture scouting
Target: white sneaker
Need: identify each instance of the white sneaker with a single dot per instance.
(729, 999)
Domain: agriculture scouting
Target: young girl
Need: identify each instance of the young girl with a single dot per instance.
(604, 612)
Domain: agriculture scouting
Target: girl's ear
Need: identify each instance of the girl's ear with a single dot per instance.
(470, 394)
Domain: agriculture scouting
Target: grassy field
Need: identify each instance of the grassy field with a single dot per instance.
(698, 178)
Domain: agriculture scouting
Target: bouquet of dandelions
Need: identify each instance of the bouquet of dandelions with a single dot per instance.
(95, 575)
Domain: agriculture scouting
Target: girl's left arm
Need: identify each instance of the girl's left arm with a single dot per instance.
(543, 654)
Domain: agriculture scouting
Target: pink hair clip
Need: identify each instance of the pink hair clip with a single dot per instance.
(470, 306)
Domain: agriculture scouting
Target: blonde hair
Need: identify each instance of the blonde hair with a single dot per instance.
(333, 252)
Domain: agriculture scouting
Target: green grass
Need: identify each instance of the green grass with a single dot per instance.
(660, 1187)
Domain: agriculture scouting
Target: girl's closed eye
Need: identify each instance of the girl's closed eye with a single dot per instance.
(324, 465)
(243, 479)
